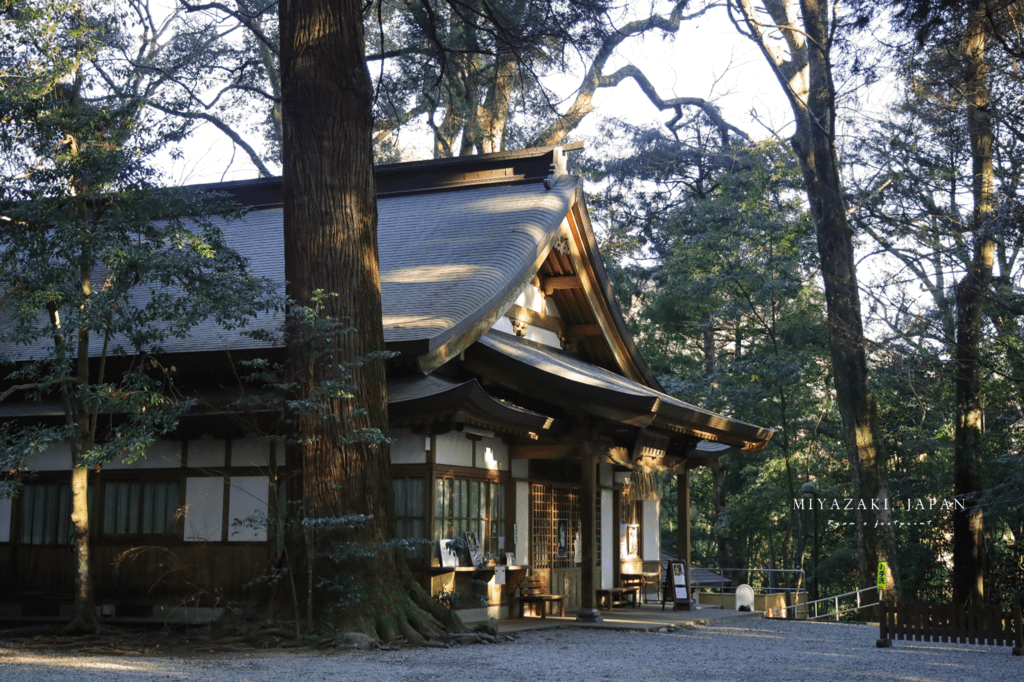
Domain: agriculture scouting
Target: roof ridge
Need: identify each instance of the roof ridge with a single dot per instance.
(535, 164)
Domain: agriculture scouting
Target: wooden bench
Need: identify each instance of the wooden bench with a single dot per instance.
(534, 590)
(945, 623)
(617, 596)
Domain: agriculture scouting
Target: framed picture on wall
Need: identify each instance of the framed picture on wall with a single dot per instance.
(632, 541)
(562, 529)
(449, 557)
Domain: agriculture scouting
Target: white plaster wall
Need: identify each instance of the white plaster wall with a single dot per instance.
(407, 447)
(522, 520)
(206, 452)
(54, 458)
(454, 449)
(550, 309)
(492, 453)
(248, 498)
(605, 475)
(544, 336)
(609, 535)
(483, 614)
(204, 509)
(520, 468)
(651, 551)
(5, 519)
(532, 298)
(251, 451)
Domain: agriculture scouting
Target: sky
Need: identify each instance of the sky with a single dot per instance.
(707, 58)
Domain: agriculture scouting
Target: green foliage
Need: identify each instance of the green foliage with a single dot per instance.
(913, 182)
(98, 268)
(717, 264)
(462, 597)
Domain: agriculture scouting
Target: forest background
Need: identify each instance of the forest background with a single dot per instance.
(706, 227)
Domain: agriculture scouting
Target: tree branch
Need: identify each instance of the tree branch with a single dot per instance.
(38, 386)
(595, 78)
(224, 128)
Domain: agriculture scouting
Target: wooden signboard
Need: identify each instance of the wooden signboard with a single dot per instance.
(678, 586)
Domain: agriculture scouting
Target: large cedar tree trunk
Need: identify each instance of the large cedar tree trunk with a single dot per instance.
(330, 226)
(968, 526)
(805, 72)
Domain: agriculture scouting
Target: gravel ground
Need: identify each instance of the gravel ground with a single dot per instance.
(761, 650)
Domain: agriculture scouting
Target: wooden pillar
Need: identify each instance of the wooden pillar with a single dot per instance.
(616, 525)
(589, 499)
(683, 526)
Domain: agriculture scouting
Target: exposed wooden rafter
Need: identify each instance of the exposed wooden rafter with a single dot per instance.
(579, 331)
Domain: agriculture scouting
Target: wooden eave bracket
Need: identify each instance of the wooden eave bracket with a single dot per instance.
(551, 284)
(518, 313)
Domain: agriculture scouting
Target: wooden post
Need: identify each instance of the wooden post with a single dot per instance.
(589, 500)
(616, 524)
(1018, 626)
(885, 633)
(683, 527)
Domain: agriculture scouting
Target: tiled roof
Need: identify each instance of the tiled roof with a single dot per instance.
(258, 238)
(417, 399)
(447, 258)
(562, 377)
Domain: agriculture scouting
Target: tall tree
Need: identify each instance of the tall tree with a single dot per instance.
(968, 525)
(85, 233)
(796, 38)
(968, 33)
(330, 226)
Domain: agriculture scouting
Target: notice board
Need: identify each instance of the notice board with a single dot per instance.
(680, 590)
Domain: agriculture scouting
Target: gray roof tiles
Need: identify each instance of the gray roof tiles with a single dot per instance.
(447, 258)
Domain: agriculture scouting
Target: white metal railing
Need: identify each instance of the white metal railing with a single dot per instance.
(799, 572)
(833, 599)
(760, 589)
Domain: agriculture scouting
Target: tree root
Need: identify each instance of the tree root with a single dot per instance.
(397, 614)
(80, 625)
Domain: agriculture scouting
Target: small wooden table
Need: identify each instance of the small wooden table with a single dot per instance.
(641, 582)
(616, 596)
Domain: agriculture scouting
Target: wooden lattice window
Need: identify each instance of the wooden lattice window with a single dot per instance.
(556, 530)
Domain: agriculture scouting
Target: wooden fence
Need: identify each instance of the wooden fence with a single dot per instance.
(945, 623)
